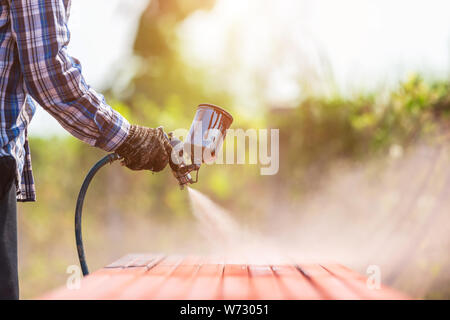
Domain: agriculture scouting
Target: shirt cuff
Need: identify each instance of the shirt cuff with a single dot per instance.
(114, 135)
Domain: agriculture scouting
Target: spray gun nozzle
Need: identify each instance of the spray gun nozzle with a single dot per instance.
(181, 170)
(183, 175)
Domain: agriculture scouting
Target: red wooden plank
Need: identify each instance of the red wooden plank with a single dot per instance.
(87, 284)
(236, 283)
(295, 285)
(120, 263)
(95, 286)
(129, 259)
(329, 286)
(143, 276)
(120, 280)
(147, 285)
(172, 260)
(359, 283)
(144, 260)
(207, 282)
(177, 286)
(264, 283)
(108, 282)
(115, 283)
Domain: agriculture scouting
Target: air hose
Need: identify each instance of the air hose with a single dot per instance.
(110, 158)
(181, 173)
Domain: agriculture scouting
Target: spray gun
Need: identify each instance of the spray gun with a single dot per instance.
(201, 145)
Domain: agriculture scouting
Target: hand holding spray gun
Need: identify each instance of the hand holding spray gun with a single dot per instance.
(145, 149)
(152, 149)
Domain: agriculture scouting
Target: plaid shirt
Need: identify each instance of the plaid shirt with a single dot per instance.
(35, 68)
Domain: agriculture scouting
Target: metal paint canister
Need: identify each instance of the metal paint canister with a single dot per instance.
(207, 133)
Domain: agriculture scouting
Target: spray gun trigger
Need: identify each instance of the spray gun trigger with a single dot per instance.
(180, 169)
(196, 176)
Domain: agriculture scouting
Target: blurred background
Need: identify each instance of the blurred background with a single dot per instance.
(359, 89)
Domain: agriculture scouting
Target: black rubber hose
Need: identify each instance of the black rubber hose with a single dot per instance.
(79, 209)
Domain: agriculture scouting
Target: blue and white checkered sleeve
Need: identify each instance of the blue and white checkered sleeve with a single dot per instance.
(54, 79)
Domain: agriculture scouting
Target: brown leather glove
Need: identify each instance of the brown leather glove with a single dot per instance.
(145, 149)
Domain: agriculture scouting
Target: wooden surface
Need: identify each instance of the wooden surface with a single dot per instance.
(147, 276)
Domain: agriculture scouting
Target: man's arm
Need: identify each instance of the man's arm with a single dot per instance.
(54, 79)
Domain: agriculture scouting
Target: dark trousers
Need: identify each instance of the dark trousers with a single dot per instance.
(9, 281)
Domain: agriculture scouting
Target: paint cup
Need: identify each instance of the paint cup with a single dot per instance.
(207, 132)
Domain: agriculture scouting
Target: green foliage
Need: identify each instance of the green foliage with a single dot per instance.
(320, 131)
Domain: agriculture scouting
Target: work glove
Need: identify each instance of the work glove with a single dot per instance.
(145, 149)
